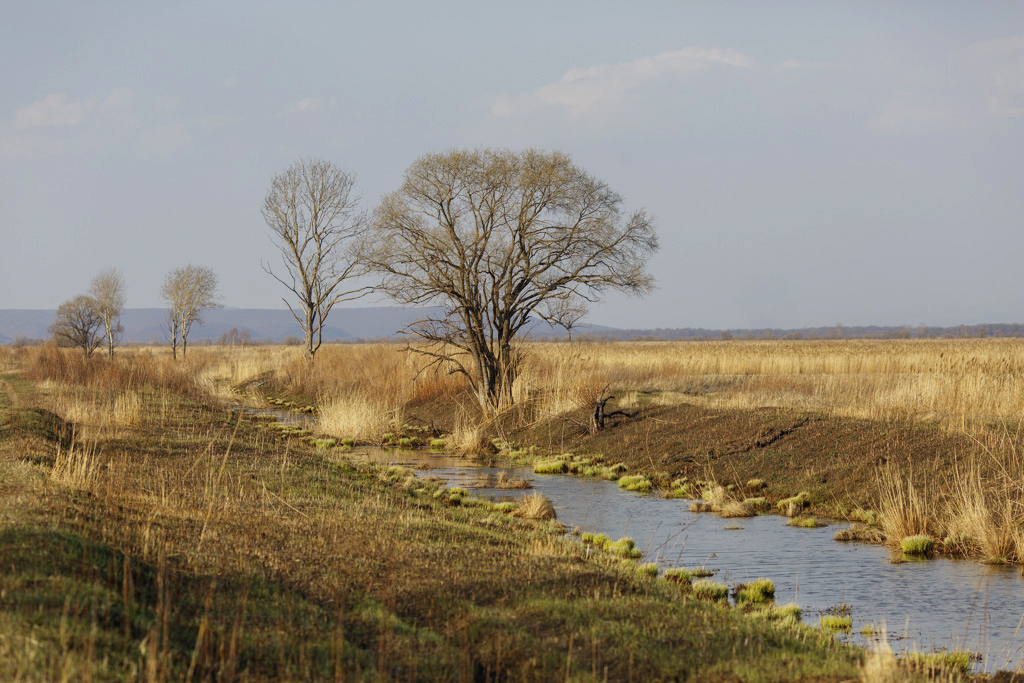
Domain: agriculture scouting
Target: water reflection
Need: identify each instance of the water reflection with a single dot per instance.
(923, 606)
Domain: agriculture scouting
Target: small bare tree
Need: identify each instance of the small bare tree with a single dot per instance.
(312, 213)
(497, 240)
(78, 323)
(108, 291)
(188, 291)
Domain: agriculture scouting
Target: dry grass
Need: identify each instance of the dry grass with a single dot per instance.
(960, 384)
(535, 506)
(971, 386)
(975, 513)
(902, 508)
(357, 415)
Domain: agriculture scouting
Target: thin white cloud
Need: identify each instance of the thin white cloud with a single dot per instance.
(999, 67)
(582, 91)
(231, 82)
(53, 110)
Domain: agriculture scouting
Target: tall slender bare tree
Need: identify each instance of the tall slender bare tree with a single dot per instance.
(108, 291)
(188, 291)
(312, 213)
(499, 239)
(78, 323)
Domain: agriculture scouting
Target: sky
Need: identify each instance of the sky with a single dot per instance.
(805, 163)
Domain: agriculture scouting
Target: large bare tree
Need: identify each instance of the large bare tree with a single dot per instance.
(312, 212)
(188, 291)
(108, 291)
(78, 323)
(499, 239)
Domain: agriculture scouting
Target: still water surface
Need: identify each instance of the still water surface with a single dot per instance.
(923, 606)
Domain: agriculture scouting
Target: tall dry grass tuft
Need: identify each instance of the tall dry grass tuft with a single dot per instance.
(902, 509)
(984, 513)
(75, 466)
(534, 506)
(358, 415)
(469, 436)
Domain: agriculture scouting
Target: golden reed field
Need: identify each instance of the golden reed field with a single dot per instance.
(966, 387)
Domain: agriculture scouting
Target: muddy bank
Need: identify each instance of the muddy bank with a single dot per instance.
(834, 459)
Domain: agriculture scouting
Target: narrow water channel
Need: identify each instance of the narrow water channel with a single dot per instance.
(921, 606)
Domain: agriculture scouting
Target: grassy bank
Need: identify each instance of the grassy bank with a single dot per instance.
(160, 536)
(916, 436)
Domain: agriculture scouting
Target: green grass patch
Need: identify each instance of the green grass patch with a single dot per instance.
(835, 622)
(710, 590)
(759, 503)
(550, 467)
(917, 545)
(759, 591)
(934, 663)
(624, 547)
(806, 522)
(648, 569)
(636, 482)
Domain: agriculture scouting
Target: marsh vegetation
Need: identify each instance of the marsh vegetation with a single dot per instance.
(163, 532)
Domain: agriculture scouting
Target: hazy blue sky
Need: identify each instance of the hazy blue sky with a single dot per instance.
(807, 163)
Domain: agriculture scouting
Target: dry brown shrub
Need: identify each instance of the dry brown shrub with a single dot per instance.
(535, 506)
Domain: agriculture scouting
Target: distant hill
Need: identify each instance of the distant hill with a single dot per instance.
(146, 325)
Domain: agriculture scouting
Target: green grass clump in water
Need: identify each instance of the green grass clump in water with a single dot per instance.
(806, 522)
(348, 442)
(504, 507)
(755, 484)
(917, 545)
(760, 504)
(550, 467)
(710, 590)
(325, 443)
(438, 444)
(624, 547)
(833, 622)
(756, 592)
(649, 569)
(939, 662)
(636, 482)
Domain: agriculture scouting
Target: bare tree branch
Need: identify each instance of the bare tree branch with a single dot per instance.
(188, 291)
(312, 213)
(107, 290)
(500, 240)
(78, 323)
